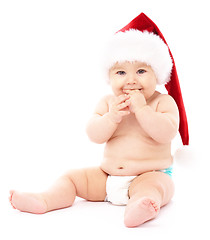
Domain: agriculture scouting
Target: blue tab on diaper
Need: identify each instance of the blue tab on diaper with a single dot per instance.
(168, 171)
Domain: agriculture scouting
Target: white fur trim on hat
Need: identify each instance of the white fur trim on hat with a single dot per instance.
(134, 45)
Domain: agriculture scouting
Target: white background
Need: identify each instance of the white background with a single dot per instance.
(50, 82)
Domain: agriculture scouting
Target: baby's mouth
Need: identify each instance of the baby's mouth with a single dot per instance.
(132, 89)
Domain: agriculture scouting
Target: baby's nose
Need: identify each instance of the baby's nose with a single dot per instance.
(131, 81)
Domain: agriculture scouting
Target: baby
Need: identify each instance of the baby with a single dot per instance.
(137, 123)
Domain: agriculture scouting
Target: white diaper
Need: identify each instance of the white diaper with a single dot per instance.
(117, 189)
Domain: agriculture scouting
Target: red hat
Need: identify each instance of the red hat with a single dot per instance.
(141, 40)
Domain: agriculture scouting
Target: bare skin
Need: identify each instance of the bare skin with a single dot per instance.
(137, 124)
(89, 184)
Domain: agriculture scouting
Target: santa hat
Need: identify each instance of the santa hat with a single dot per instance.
(141, 40)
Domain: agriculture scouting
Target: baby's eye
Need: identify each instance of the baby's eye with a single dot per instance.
(141, 71)
(121, 73)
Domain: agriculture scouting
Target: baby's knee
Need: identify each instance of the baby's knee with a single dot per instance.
(79, 179)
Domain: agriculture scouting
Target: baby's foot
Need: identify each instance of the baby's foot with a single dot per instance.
(28, 202)
(140, 211)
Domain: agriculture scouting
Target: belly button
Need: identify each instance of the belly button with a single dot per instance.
(120, 167)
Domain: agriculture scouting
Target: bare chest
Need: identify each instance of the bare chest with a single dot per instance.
(130, 128)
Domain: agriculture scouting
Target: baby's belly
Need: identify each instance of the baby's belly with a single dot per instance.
(129, 156)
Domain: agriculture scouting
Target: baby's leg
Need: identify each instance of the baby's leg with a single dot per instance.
(88, 183)
(60, 195)
(148, 193)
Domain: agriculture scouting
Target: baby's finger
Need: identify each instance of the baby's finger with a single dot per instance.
(130, 92)
(122, 98)
(124, 113)
(126, 91)
(123, 105)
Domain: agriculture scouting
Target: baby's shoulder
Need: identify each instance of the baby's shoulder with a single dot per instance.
(163, 97)
(103, 105)
(165, 102)
(159, 95)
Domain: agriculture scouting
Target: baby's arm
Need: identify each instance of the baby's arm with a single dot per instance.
(108, 114)
(162, 124)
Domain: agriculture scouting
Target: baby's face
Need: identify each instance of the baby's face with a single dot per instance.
(132, 76)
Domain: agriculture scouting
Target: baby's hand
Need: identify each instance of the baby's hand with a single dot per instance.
(137, 100)
(118, 107)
